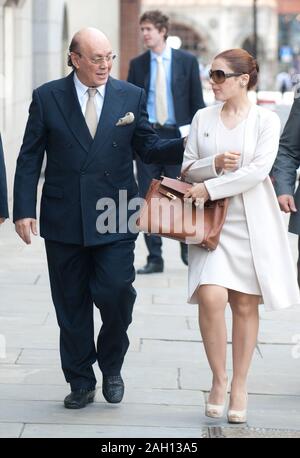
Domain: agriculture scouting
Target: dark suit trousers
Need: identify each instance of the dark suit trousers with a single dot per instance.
(145, 173)
(83, 276)
(298, 261)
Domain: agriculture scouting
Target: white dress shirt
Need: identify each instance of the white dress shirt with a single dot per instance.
(82, 93)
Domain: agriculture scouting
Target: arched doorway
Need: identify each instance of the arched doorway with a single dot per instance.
(190, 39)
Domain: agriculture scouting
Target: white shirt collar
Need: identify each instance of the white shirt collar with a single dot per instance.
(166, 54)
(82, 88)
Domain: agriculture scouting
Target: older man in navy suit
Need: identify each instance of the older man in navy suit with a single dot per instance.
(3, 188)
(88, 124)
(171, 79)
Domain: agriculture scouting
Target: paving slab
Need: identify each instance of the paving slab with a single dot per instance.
(101, 414)
(282, 412)
(92, 431)
(31, 374)
(11, 430)
(133, 395)
(166, 371)
(275, 382)
(10, 355)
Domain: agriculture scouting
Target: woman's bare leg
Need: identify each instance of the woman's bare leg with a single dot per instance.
(213, 300)
(245, 321)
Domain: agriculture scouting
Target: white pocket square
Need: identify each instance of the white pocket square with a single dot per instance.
(127, 119)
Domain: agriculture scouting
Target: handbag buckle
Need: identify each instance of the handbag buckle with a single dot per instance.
(171, 196)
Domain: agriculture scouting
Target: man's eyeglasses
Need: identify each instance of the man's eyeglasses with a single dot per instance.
(99, 60)
(219, 76)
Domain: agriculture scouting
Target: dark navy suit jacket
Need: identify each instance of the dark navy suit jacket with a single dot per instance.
(186, 83)
(80, 170)
(3, 187)
(285, 167)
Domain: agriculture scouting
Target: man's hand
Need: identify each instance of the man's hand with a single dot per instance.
(24, 227)
(287, 203)
(2, 220)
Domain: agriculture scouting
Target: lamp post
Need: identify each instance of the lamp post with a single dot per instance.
(255, 28)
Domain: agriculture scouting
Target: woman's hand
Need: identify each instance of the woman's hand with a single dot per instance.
(227, 161)
(2, 220)
(198, 191)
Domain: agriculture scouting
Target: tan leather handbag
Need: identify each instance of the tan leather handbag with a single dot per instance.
(168, 214)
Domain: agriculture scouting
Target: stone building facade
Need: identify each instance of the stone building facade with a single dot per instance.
(34, 39)
(207, 28)
(35, 34)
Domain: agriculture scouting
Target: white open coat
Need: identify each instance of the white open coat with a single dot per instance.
(269, 243)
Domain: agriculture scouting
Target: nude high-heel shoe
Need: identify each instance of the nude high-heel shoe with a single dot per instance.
(216, 410)
(237, 416)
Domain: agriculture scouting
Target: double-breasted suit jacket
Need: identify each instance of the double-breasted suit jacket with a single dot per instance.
(81, 170)
(287, 162)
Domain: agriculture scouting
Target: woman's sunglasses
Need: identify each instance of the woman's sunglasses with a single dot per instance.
(219, 76)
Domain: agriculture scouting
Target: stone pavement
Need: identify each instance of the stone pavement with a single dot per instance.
(166, 372)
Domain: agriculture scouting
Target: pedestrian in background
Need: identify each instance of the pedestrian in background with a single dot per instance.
(284, 172)
(284, 82)
(171, 79)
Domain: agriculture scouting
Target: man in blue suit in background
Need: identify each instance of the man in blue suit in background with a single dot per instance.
(3, 187)
(88, 124)
(171, 79)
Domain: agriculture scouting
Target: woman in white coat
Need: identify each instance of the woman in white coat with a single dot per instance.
(232, 146)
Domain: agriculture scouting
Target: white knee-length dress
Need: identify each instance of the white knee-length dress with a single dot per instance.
(231, 264)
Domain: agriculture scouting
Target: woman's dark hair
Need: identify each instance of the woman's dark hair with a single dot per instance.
(158, 19)
(240, 61)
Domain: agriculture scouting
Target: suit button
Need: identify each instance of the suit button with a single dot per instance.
(115, 144)
(82, 172)
(106, 173)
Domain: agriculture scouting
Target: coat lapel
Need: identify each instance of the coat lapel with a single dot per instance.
(68, 104)
(176, 70)
(147, 70)
(112, 110)
(250, 140)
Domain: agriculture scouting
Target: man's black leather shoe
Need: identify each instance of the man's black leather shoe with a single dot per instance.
(79, 399)
(113, 388)
(184, 253)
(151, 268)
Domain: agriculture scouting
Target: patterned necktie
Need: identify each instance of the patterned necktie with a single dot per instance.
(91, 112)
(161, 93)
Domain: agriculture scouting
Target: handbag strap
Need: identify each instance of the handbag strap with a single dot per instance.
(184, 172)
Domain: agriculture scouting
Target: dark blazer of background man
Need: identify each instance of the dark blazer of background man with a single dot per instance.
(85, 265)
(284, 172)
(3, 187)
(184, 98)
